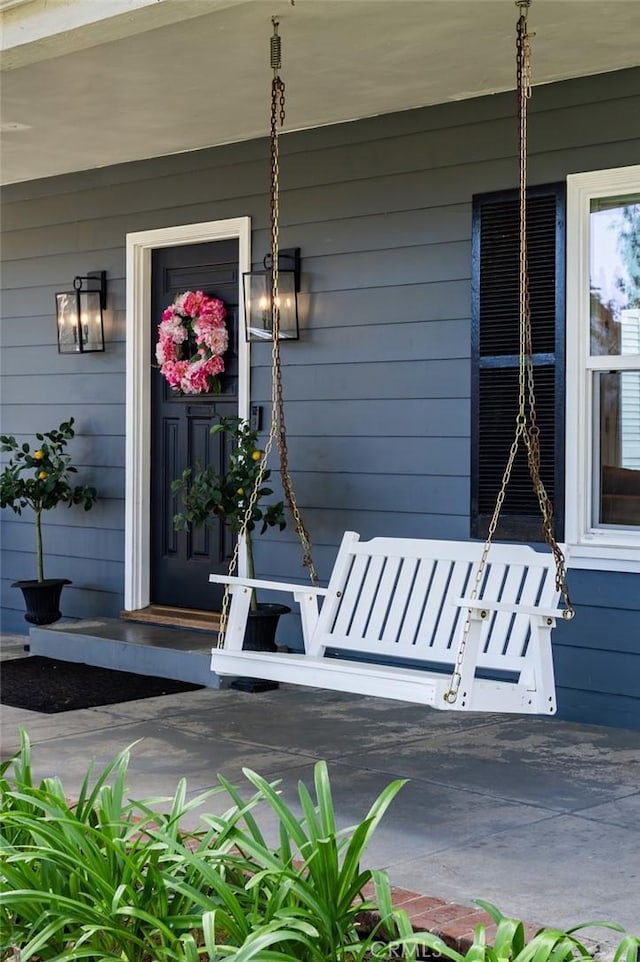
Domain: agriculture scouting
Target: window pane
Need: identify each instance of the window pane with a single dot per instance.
(617, 395)
(614, 281)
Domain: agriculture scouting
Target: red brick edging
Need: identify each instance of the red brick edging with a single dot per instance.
(452, 923)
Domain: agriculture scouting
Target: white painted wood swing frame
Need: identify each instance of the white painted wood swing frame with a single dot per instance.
(392, 620)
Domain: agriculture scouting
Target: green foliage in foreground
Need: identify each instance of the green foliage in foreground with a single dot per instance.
(110, 879)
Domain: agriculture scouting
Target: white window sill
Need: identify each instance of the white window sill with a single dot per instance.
(593, 554)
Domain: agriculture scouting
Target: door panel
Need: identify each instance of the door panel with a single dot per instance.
(180, 430)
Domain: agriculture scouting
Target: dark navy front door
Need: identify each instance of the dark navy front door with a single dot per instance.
(180, 429)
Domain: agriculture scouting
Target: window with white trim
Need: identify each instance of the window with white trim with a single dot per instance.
(603, 368)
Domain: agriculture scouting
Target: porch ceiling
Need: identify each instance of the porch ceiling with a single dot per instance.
(86, 85)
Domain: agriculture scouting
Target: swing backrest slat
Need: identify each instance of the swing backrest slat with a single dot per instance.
(396, 598)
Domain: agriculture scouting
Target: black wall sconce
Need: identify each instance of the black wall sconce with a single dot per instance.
(79, 315)
(257, 298)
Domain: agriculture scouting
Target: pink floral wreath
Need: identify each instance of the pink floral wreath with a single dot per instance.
(193, 317)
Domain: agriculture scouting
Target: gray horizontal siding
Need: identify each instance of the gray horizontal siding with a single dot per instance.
(83, 388)
(379, 380)
(30, 360)
(375, 305)
(100, 575)
(619, 591)
(606, 631)
(598, 708)
(339, 454)
(321, 238)
(89, 451)
(439, 417)
(95, 419)
(428, 522)
(105, 515)
(83, 540)
(585, 669)
(370, 492)
(378, 386)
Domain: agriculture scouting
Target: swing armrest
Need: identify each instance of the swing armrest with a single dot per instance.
(477, 604)
(238, 582)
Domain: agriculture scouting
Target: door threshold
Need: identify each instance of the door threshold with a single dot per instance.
(175, 617)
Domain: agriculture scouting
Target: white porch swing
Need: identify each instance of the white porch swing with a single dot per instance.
(459, 626)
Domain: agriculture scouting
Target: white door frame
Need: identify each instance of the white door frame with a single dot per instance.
(137, 541)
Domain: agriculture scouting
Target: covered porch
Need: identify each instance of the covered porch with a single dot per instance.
(379, 386)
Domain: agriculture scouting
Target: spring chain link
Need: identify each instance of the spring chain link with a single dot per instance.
(277, 428)
(526, 428)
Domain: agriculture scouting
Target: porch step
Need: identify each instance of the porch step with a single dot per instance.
(145, 649)
(175, 617)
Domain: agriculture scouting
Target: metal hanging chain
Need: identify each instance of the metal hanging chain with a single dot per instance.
(277, 426)
(526, 428)
(278, 423)
(531, 433)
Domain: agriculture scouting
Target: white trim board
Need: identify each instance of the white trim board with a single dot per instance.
(138, 382)
(602, 548)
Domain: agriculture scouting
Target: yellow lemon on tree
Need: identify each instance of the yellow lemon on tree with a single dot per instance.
(240, 491)
(256, 455)
(43, 476)
(38, 455)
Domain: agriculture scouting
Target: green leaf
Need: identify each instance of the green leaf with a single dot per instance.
(284, 813)
(595, 924)
(494, 913)
(628, 950)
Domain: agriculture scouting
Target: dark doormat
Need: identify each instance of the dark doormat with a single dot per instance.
(50, 686)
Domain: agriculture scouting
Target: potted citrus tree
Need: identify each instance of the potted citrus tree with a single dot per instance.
(40, 480)
(209, 496)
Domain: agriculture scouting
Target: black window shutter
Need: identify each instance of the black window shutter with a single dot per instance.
(495, 346)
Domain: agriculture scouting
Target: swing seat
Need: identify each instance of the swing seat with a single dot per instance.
(392, 618)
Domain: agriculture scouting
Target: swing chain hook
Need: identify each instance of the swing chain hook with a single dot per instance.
(276, 46)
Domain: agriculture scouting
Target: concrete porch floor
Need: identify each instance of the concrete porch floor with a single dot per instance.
(539, 816)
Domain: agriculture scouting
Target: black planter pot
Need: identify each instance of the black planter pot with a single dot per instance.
(260, 635)
(42, 599)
